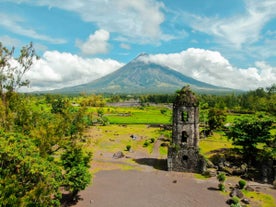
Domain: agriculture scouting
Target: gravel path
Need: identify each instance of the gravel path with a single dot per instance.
(150, 189)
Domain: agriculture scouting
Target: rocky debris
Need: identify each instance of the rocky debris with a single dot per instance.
(245, 201)
(230, 201)
(236, 192)
(209, 164)
(210, 172)
(118, 155)
(134, 137)
(249, 188)
(227, 166)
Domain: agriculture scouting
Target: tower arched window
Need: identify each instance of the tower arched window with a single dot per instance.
(184, 137)
(185, 116)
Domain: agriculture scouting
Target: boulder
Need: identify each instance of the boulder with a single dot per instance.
(118, 155)
(249, 188)
(210, 172)
(245, 201)
(236, 192)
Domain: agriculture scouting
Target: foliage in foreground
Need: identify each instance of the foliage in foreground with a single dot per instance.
(33, 140)
(27, 179)
(76, 164)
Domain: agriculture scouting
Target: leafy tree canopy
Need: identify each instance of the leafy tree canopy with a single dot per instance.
(252, 134)
(26, 179)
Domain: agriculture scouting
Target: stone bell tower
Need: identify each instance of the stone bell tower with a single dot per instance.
(183, 154)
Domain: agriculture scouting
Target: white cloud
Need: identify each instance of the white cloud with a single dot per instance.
(236, 30)
(17, 25)
(97, 43)
(136, 20)
(211, 67)
(125, 46)
(57, 70)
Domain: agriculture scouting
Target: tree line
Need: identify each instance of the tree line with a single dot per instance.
(260, 99)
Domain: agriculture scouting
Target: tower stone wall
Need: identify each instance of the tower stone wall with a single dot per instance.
(183, 154)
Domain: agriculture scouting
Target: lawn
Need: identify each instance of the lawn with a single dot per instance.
(141, 115)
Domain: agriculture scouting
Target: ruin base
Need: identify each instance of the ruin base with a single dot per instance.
(185, 159)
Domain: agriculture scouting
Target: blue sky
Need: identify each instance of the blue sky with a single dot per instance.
(222, 42)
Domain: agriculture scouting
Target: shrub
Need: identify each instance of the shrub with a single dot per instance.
(221, 177)
(163, 111)
(152, 140)
(242, 184)
(221, 187)
(128, 147)
(235, 200)
(76, 165)
(146, 144)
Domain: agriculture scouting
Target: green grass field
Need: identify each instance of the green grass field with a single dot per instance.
(140, 116)
(137, 115)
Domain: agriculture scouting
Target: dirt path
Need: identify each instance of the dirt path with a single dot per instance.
(155, 152)
(150, 189)
(148, 186)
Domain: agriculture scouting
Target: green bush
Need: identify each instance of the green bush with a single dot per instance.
(128, 147)
(221, 187)
(221, 177)
(235, 200)
(26, 178)
(152, 140)
(163, 111)
(76, 165)
(242, 184)
(146, 144)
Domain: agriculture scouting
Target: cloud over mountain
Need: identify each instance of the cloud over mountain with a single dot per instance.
(56, 70)
(211, 67)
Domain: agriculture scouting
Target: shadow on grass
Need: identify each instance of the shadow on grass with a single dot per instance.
(159, 164)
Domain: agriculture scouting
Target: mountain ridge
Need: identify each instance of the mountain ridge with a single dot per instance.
(138, 76)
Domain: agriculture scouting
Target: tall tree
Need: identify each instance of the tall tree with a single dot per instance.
(12, 69)
(216, 118)
(250, 134)
(76, 165)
